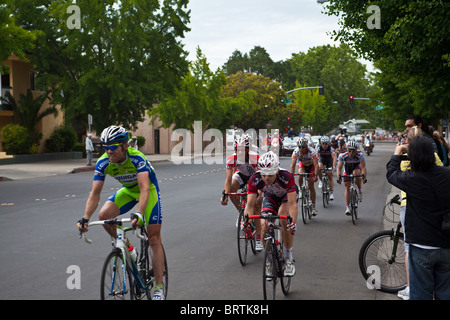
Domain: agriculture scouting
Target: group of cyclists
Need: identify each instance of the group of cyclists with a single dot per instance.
(272, 189)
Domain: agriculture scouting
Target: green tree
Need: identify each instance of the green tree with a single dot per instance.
(267, 99)
(338, 69)
(199, 98)
(14, 38)
(411, 49)
(316, 111)
(125, 56)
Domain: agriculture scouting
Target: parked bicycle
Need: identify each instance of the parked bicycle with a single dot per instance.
(123, 278)
(325, 186)
(273, 266)
(353, 195)
(245, 236)
(305, 198)
(382, 256)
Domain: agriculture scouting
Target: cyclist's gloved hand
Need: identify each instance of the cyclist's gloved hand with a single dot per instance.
(364, 179)
(82, 224)
(137, 220)
(292, 227)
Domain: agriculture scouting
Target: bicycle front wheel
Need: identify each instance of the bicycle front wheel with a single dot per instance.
(325, 192)
(270, 272)
(305, 206)
(285, 281)
(354, 205)
(382, 258)
(116, 283)
(242, 242)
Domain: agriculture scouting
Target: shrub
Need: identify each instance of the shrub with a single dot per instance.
(63, 139)
(17, 140)
(140, 141)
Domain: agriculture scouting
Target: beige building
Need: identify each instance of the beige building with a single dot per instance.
(21, 78)
(18, 81)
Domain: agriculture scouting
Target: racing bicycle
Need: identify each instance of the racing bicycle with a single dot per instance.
(382, 256)
(273, 266)
(325, 186)
(245, 236)
(306, 203)
(123, 278)
(353, 195)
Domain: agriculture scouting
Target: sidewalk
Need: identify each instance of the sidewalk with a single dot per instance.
(57, 167)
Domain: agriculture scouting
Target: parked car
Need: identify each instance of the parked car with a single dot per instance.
(289, 144)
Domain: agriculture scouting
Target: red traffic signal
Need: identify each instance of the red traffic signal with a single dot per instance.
(351, 99)
(288, 118)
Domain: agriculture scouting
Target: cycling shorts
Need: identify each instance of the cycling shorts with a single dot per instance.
(308, 169)
(241, 178)
(271, 203)
(327, 162)
(126, 200)
(346, 174)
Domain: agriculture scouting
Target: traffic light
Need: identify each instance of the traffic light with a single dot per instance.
(321, 89)
(351, 99)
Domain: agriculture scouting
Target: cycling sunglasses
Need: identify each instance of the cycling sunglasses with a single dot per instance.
(111, 147)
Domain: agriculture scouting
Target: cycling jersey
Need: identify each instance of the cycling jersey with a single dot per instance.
(325, 155)
(305, 159)
(351, 163)
(126, 173)
(274, 194)
(247, 169)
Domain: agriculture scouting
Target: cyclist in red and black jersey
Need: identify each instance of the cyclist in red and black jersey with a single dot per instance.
(279, 189)
(240, 166)
(351, 162)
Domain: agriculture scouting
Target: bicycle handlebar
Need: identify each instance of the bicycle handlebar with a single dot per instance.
(351, 176)
(111, 222)
(305, 174)
(268, 217)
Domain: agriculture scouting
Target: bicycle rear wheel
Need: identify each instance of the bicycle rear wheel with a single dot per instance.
(377, 254)
(115, 283)
(242, 242)
(150, 280)
(270, 272)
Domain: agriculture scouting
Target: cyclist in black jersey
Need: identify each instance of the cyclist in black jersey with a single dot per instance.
(327, 159)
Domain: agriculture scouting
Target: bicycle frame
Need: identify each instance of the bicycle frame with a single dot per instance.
(119, 243)
(274, 241)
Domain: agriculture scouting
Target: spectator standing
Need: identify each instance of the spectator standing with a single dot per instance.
(133, 143)
(89, 150)
(443, 147)
(429, 246)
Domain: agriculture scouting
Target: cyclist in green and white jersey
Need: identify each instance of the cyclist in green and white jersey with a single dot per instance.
(139, 186)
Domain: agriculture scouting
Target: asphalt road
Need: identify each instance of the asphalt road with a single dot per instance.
(40, 243)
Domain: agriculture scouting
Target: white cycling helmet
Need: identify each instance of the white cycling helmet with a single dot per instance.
(325, 139)
(114, 134)
(269, 163)
(302, 142)
(242, 141)
(352, 144)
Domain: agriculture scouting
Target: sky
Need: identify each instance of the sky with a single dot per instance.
(282, 27)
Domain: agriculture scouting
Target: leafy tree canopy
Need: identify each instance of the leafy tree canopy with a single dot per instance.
(122, 59)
